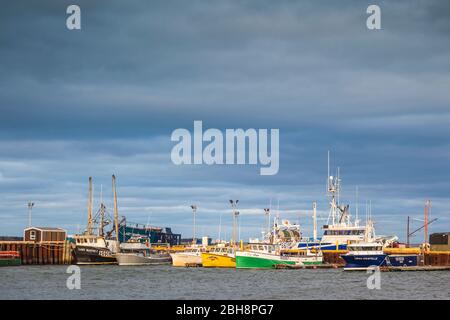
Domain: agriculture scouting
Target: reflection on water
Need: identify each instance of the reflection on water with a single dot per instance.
(166, 282)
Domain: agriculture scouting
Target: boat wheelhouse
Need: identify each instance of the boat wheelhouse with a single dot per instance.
(93, 249)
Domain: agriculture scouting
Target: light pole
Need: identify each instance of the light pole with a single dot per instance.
(30, 207)
(267, 213)
(235, 215)
(194, 211)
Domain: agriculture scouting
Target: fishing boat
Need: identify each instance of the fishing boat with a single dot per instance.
(223, 255)
(364, 255)
(136, 252)
(369, 253)
(93, 249)
(98, 247)
(278, 248)
(10, 258)
(219, 256)
(341, 229)
(269, 256)
(191, 256)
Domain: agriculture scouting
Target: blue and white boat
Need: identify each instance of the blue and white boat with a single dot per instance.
(369, 254)
(364, 255)
(341, 229)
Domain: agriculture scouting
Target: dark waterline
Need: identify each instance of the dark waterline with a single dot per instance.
(166, 282)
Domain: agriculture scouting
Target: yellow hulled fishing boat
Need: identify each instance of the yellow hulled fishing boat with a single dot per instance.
(219, 257)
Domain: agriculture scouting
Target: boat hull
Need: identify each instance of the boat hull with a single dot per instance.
(93, 255)
(212, 260)
(10, 262)
(251, 260)
(363, 262)
(402, 260)
(130, 259)
(10, 258)
(181, 259)
(255, 260)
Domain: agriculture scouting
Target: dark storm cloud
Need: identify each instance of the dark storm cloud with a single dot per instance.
(146, 64)
(105, 99)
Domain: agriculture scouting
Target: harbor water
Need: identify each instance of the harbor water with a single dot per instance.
(167, 282)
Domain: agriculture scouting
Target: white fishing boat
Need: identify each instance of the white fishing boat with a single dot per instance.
(139, 252)
(192, 256)
(341, 228)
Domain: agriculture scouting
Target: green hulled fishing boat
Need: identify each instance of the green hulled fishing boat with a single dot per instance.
(10, 258)
(269, 256)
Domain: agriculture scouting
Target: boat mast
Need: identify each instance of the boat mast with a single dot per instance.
(332, 189)
(116, 212)
(89, 226)
(102, 213)
(357, 206)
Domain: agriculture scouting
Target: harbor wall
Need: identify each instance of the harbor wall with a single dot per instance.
(437, 258)
(40, 253)
(430, 258)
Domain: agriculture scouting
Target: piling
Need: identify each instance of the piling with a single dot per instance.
(38, 253)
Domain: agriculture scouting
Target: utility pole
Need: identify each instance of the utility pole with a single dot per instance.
(194, 211)
(30, 208)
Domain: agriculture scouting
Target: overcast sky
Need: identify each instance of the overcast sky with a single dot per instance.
(105, 99)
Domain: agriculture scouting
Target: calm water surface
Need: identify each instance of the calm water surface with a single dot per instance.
(166, 282)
